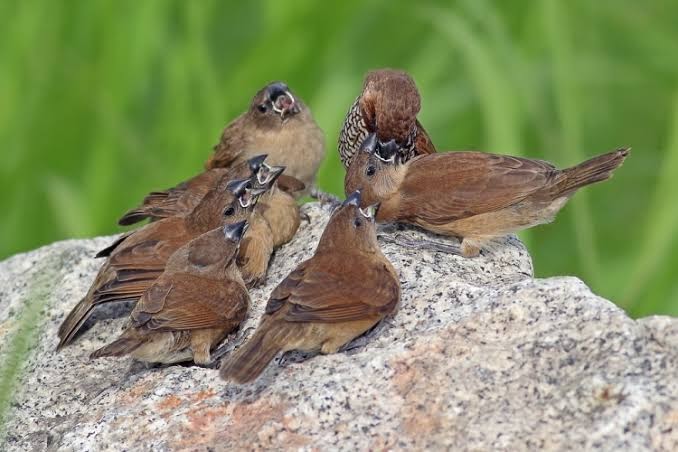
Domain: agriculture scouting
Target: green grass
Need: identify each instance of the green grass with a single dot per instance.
(103, 101)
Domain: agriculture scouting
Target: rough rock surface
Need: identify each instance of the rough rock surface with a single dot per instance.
(480, 356)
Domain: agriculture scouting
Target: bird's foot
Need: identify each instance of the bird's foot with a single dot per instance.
(431, 245)
(362, 340)
(325, 198)
(293, 357)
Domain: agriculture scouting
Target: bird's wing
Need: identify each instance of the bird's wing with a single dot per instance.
(187, 302)
(423, 143)
(318, 291)
(231, 146)
(445, 187)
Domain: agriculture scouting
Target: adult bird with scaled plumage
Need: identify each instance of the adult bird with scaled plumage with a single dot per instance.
(346, 288)
(472, 195)
(138, 258)
(387, 106)
(198, 300)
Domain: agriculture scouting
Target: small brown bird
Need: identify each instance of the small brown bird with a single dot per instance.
(138, 258)
(273, 223)
(472, 195)
(183, 198)
(279, 124)
(327, 301)
(387, 106)
(198, 300)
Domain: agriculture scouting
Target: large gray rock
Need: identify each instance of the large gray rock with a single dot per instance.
(480, 356)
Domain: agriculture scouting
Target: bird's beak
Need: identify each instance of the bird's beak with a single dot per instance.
(353, 199)
(369, 144)
(255, 163)
(273, 175)
(387, 152)
(238, 186)
(235, 231)
(282, 100)
(370, 212)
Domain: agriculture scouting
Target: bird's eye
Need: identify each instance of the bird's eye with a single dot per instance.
(262, 107)
(357, 222)
(229, 211)
(370, 170)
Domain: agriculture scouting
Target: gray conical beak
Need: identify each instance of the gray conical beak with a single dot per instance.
(353, 199)
(387, 151)
(238, 186)
(256, 192)
(235, 231)
(274, 174)
(255, 162)
(370, 143)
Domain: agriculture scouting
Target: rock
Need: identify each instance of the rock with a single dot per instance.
(480, 356)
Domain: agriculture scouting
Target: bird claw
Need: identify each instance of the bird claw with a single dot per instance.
(405, 242)
(293, 357)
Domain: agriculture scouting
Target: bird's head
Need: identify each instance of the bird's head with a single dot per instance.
(351, 227)
(274, 104)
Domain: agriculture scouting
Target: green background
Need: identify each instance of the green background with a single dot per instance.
(103, 101)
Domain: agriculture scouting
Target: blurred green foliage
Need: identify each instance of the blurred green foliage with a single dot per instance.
(103, 101)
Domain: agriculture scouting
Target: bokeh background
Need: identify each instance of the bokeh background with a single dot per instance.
(103, 101)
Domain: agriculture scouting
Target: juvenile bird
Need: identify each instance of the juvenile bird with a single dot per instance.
(475, 196)
(183, 198)
(198, 300)
(327, 301)
(138, 258)
(388, 106)
(279, 124)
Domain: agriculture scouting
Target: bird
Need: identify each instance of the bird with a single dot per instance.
(198, 300)
(388, 106)
(475, 196)
(182, 199)
(342, 291)
(138, 258)
(273, 223)
(279, 124)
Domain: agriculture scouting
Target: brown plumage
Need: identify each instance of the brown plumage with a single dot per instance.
(327, 301)
(183, 198)
(198, 300)
(279, 124)
(273, 223)
(388, 106)
(472, 195)
(138, 258)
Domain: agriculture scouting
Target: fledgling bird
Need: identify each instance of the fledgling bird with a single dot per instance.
(183, 198)
(198, 300)
(138, 258)
(279, 124)
(475, 196)
(387, 106)
(327, 301)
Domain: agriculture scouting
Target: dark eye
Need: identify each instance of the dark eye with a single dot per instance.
(357, 222)
(370, 170)
(262, 107)
(229, 211)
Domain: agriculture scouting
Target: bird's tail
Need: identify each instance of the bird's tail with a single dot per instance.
(125, 344)
(597, 169)
(74, 321)
(133, 216)
(250, 360)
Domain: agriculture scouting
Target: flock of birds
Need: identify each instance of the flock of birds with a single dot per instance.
(211, 237)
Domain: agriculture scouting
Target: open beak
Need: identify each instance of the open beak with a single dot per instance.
(256, 162)
(353, 199)
(369, 145)
(235, 231)
(387, 152)
(238, 186)
(370, 212)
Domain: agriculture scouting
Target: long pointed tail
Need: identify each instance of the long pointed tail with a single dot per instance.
(72, 323)
(250, 360)
(124, 345)
(597, 169)
(133, 216)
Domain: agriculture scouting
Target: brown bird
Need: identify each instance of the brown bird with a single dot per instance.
(387, 106)
(198, 300)
(183, 198)
(138, 258)
(273, 223)
(327, 301)
(475, 196)
(279, 124)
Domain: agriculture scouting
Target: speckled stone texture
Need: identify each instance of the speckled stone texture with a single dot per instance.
(480, 356)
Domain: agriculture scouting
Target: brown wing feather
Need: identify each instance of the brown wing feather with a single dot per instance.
(316, 292)
(231, 145)
(185, 302)
(423, 143)
(464, 184)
